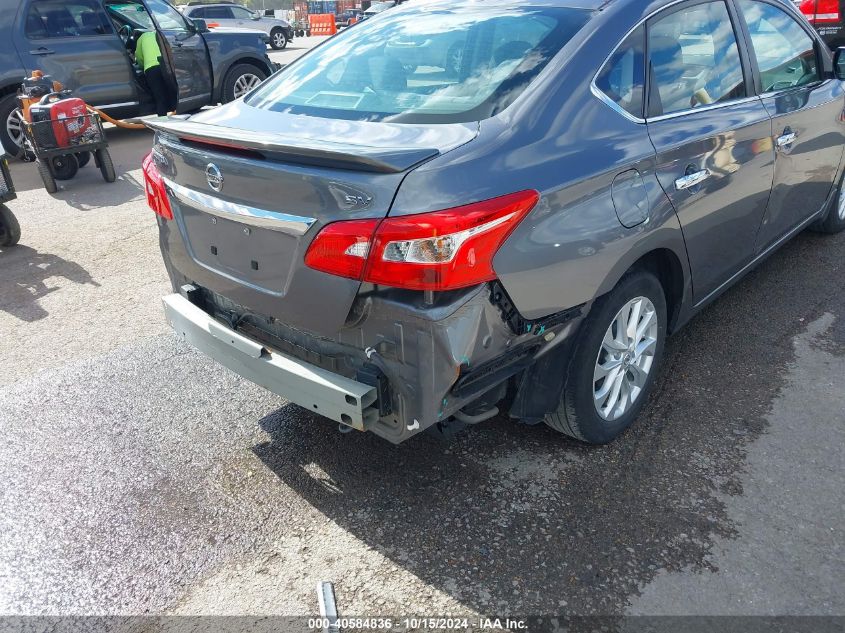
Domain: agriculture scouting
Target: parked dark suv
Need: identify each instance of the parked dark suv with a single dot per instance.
(85, 45)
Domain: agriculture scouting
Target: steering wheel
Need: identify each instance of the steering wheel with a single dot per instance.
(125, 33)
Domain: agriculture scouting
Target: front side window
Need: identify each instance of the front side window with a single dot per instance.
(693, 59)
(58, 18)
(424, 64)
(241, 14)
(786, 54)
(623, 77)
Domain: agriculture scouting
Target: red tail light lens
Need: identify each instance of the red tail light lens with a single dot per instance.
(820, 11)
(154, 186)
(443, 250)
(342, 248)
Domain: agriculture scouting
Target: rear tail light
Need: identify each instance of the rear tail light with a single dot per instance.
(443, 250)
(154, 186)
(342, 248)
(820, 11)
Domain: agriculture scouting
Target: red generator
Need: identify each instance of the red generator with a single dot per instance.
(70, 122)
(63, 134)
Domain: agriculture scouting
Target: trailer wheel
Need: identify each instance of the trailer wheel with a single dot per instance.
(64, 167)
(105, 164)
(46, 176)
(10, 230)
(83, 158)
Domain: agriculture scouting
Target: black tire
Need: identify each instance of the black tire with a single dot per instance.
(10, 230)
(46, 176)
(577, 415)
(64, 166)
(8, 105)
(83, 158)
(104, 162)
(834, 219)
(278, 39)
(237, 72)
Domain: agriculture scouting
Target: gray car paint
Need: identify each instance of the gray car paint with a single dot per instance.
(559, 138)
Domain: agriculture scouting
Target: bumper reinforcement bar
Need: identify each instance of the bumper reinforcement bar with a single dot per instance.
(335, 397)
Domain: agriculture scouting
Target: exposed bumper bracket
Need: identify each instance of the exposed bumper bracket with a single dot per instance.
(335, 397)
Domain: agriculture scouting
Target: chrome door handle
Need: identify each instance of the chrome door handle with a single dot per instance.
(786, 139)
(42, 50)
(691, 180)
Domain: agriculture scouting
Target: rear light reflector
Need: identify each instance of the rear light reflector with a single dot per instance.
(154, 187)
(442, 250)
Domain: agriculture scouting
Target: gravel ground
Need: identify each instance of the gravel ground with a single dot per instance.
(140, 478)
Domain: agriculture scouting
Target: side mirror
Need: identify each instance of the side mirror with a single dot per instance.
(839, 63)
(200, 25)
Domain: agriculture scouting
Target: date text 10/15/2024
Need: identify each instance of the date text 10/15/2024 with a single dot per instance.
(416, 623)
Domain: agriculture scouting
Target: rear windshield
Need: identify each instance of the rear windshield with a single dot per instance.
(424, 65)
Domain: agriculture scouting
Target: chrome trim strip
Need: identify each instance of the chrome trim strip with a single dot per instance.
(118, 105)
(273, 220)
(610, 102)
(704, 108)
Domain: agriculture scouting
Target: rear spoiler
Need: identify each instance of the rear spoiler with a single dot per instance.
(297, 149)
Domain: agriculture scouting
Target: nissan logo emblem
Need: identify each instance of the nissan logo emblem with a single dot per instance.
(214, 177)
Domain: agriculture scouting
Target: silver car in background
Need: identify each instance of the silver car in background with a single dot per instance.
(231, 15)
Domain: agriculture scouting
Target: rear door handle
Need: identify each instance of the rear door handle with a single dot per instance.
(691, 180)
(42, 50)
(786, 139)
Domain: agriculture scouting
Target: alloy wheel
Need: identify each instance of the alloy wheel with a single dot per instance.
(14, 127)
(279, 40)
(245, 83)
(625, 359)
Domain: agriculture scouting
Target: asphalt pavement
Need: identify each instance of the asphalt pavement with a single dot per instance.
(141, 478)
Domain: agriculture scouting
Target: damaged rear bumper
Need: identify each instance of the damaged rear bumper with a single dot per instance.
(335, 397)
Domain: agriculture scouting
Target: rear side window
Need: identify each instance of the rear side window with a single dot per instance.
(786, 54)
(58, 18)
(693, 59)
(218, 13)
(622, 79)
(424, 65)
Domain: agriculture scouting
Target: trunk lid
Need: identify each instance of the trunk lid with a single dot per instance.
(250, 189)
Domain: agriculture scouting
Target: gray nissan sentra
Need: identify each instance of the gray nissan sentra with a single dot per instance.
(399, 246)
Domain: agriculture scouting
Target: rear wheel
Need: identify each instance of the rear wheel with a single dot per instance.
(240, 80)
(46, 176)
(64, 167)
(613, 367)
(105, 164)
(10, 230)
(11, 126)
(835, 220)
(278, 39)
